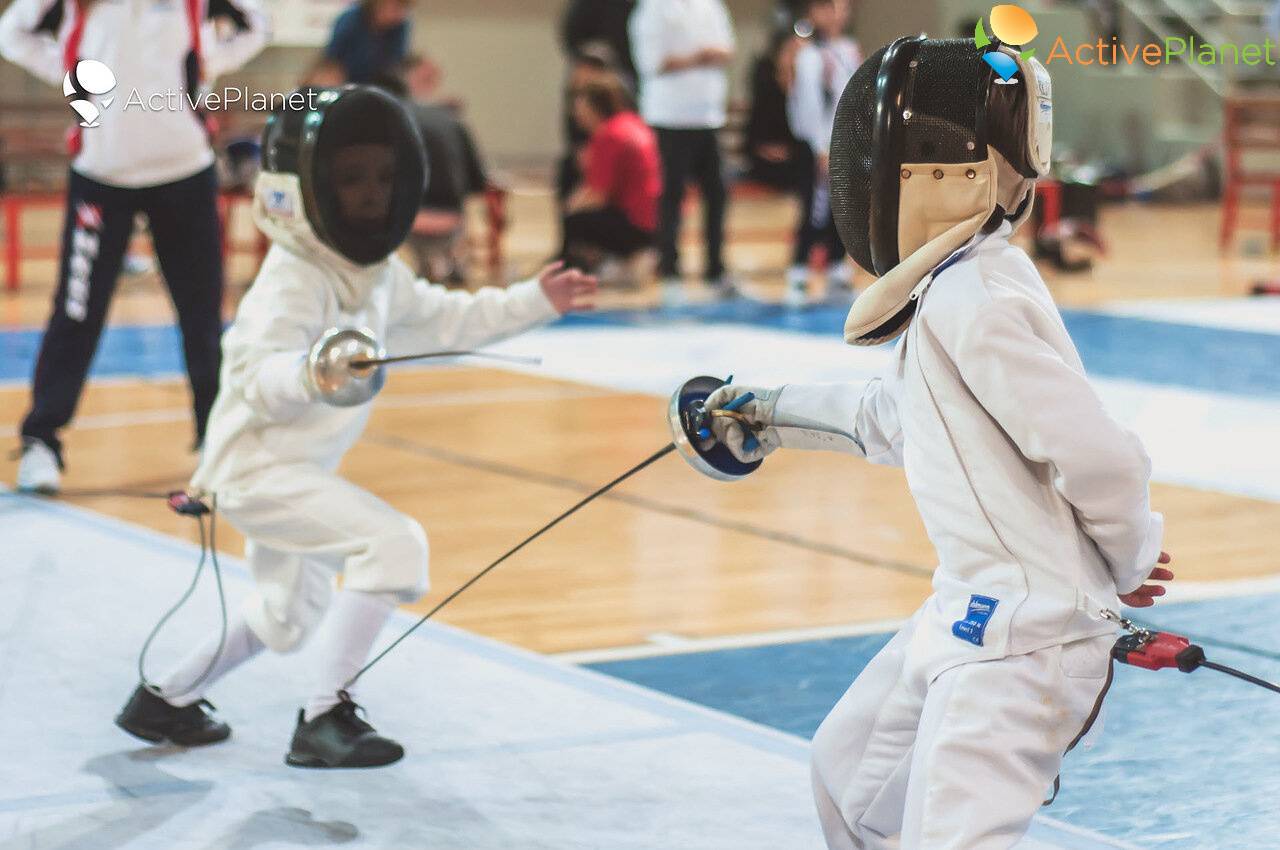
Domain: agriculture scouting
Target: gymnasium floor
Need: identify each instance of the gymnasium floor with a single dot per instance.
(726, 619)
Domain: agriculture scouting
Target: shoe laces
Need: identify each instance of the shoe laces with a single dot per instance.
(348, 712)
(203, 707)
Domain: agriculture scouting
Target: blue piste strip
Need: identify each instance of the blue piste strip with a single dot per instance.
(1195, 357)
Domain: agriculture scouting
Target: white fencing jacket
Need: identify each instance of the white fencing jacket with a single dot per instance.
(146, 44)
(263, 415)
(1035, 499)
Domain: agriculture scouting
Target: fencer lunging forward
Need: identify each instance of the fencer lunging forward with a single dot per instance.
(343, 176)
(1035, 499)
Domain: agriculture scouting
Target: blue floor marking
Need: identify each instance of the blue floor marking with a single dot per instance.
(1193, 758)
(1165, 353)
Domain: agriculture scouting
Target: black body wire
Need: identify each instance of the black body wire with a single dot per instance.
(208, 553)
(654, 458)
(1239, 674)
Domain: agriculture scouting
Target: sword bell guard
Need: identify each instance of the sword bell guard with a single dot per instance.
(686, 416)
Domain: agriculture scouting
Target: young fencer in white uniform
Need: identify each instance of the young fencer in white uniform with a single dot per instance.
(342, 179)
(1036, 500)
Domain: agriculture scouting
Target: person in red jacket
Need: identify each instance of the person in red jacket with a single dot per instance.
(614, 212)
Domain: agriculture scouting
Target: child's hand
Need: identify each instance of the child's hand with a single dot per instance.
(1144, 597)
(569, 291)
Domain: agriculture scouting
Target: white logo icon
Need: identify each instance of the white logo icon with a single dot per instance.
(92, 77)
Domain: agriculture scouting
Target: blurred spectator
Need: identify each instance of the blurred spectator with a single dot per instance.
(1105, 15)
(823, 67)
(774, 153)
(615, 210)
(454, 172)
(591, 22)
(682, 49)
(370, 39)
(158, 163)
(594, 62)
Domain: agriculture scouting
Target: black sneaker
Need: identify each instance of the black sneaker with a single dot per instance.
(150, 718)
(340, 738)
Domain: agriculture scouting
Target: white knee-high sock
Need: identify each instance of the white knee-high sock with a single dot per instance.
(346, 638)
(242, 644)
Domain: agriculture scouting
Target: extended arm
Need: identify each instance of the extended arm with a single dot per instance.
(426, 317)
(859, 419)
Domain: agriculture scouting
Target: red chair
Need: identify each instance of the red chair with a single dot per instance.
(1251, 139)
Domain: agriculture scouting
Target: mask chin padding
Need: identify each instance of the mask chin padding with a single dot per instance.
(684, 418)
(890, 329)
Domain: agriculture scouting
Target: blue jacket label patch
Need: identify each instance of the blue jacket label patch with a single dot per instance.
(974, 624)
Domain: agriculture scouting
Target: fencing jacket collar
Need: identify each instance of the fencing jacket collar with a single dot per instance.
(279, 213)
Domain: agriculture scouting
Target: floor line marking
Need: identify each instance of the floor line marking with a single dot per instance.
(390, 401)
(654, 506)
(746, 640)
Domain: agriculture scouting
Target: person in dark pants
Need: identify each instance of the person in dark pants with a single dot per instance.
(682, 49)
(776, 156)
(591, 22)
(155, 162)
(183, 218)
(614, 213)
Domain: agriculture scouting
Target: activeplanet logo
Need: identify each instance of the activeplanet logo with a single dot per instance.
(1012, 25)
(89, 77)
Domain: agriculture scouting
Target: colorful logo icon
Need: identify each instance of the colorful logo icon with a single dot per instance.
(89, 77)
(1012, 25)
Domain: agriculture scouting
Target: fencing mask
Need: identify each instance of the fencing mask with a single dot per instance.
(928, 146)
(354, 160)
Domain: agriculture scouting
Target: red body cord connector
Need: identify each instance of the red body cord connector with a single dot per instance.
(1158, 651)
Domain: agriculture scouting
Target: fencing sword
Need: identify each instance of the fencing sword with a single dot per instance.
(346, 366)
(522, 359)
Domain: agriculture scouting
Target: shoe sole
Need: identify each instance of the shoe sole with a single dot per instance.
(152, 737)
(39, 491)
(316, 763)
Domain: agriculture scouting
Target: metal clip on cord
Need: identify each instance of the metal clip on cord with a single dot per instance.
(1159, 650)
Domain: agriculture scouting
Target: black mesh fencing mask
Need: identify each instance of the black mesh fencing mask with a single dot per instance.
(929, 147)
(918, 102)
(360, 165)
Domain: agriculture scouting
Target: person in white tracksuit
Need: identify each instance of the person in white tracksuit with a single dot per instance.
(129, 157)
(1035, 499)
(274, 444)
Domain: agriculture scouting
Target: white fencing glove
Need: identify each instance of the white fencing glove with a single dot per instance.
(747, 443)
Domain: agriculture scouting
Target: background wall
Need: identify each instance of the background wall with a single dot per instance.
(503, 58)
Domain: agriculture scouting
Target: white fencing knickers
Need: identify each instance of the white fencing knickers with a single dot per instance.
(303, 525)
(959, 763)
